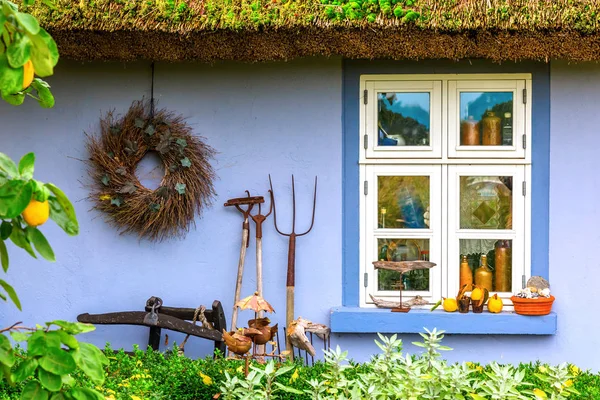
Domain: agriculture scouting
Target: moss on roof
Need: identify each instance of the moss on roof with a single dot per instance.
(224, 29)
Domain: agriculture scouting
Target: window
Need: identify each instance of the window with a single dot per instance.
(444, 166)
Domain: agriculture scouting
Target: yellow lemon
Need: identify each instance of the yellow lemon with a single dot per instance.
(495, 304)
(36, 213)
(476, 294)
(27, 74)
(450, 305)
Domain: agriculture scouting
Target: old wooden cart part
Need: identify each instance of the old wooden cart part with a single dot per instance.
(402, 267)
(156, 316)
(291, 269)
(237, 203)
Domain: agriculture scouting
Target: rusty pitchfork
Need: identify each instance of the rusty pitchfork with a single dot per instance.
(291, 269)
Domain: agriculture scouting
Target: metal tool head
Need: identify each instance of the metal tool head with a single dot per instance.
(240, 201)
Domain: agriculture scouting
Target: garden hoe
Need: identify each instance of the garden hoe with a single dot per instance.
(291, 269)
(237, 203)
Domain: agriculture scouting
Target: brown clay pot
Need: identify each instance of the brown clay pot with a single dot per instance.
(477, 309)
(539, 306)
(463, 305)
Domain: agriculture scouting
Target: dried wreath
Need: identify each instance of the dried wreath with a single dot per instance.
(184, 191)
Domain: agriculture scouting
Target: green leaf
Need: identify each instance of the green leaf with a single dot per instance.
(26, 166)
(20, 195)
(63, 200)
(68, 380)
(44, 54)
(180, 187)
(79, 393)
(40, 243)
(11, 293)
(73, 328)
(3, 255)
(150, 130)
(25, 370)
(45, 96)
(49, 380)
(4, 343)
(139, 123)
(2, 21)
(19, 336)
(13, 99)
(40, 192)
(7, 356)
(288, 389)
(185, 162)
(63, 211)
(19, 238)
(58, 396)
(68, 340)
(128, 188)
(40, 341)
(28, 22)
(117, 201)
(34, 391)
(58, 361)
(7, 165)
(18, 51)
(11, 79)
(105, 179)
(91, 361)
(475, 396)
(181, 142)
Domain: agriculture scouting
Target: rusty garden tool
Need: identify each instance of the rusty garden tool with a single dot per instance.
(237, 203)
(291, 269)
(258, 220)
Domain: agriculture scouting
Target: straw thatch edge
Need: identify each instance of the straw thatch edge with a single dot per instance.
(285, 44)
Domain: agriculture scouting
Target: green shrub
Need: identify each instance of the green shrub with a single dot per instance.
(388, 375)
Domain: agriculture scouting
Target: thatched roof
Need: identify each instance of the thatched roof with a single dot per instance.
(260, 30)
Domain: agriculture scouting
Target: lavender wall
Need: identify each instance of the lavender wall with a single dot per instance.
(262, 118)
(280, 118)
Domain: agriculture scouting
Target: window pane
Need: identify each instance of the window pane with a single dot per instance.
(495, 254)
(403, 119)
(403, 250)
(486, 202)
(486, 118)
(403, 202)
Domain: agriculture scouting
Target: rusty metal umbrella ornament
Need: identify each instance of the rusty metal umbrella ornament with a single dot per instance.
(255, 303)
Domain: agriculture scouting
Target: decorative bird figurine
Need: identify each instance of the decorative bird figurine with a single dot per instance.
(266, 332)
(296, 334)
(239, 342)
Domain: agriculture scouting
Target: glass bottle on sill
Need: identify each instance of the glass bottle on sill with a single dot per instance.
(483, 275)
(466, 275)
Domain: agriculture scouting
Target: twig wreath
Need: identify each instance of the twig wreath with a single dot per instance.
(185, 189)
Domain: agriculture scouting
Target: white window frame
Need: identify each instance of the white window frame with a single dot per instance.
(450, 161)
(434, 150)
(517, 88)
(516, 234)
(434, 172)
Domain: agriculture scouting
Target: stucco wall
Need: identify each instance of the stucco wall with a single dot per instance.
(262, 118)
(281, 118)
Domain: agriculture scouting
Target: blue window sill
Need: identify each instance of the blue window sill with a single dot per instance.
(369, 320)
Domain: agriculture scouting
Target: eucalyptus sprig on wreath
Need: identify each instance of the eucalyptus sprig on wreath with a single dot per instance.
(185, 189)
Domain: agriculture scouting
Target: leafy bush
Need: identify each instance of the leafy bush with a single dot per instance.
(388, 375)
